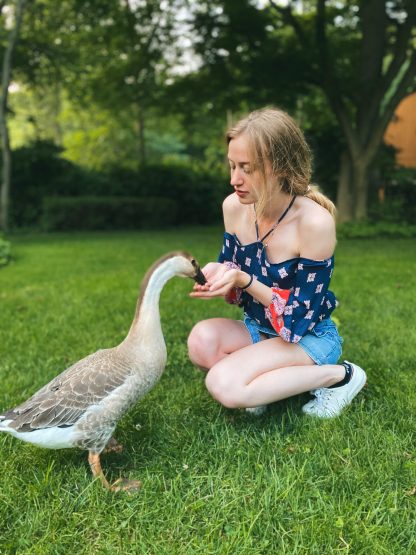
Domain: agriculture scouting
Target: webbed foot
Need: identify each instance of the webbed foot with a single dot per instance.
(129, 486)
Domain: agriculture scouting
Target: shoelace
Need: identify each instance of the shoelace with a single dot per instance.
(323, 395)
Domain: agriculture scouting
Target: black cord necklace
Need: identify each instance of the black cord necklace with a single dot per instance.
(274, 225)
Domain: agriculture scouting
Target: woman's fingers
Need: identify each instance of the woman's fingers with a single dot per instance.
(198, 287)
(220, 282)
(204, 294)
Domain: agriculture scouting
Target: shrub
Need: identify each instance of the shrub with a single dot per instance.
(100, 213)
(198, 195)
(365, 230)
(39, 171)
(4, 252)
(399, 204)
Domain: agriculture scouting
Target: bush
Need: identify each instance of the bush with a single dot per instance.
(100, 213)
(198, 195)
(365, 230)
(399, 204)
(39, 171)
(4, 252)
(399, 185)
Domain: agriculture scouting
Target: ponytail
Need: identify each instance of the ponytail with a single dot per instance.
(315, 194)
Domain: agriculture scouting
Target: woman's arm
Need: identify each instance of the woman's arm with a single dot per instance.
(224, 281)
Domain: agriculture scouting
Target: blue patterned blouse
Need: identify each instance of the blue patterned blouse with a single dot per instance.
(306, 299)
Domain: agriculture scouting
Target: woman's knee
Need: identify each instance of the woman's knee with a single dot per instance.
(203, 345)
(222, 389)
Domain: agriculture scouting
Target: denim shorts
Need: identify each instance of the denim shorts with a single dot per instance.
(323, 343)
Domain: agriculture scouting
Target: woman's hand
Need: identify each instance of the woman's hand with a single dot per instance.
(220, 280)
(212, 271)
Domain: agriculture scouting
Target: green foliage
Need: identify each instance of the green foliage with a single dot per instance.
(368, 230)
(399, 204)
(102, 79)
(40, 172)
(215, 481)
(93, 213)
(4, 252)
(198, 195)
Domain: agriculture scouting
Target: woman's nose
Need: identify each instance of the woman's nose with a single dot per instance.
(236, 177)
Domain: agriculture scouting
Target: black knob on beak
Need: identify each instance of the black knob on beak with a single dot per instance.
(199, 277)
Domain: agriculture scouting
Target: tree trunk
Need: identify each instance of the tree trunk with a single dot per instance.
(56, 107)
(142, 140)
(345, 189)
(361, 182)
(5, 143)
(353, 183)
(6, 173)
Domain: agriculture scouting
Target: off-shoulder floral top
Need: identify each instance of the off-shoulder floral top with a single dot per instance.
(300, 288)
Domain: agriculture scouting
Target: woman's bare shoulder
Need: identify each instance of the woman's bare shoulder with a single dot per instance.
(317, 234)
(231, 203)
(232, 212)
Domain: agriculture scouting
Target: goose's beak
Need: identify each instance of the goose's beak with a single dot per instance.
(199, 276)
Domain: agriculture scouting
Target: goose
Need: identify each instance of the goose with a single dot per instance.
(82, 405)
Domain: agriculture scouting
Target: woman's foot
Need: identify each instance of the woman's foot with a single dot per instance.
(329, 401)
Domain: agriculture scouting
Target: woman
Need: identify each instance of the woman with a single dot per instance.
(276, 262)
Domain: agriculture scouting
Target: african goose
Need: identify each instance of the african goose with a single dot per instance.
(81, 406)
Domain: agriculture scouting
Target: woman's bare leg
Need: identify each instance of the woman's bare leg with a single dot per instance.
(212, 340)
(245, 375)
(266, 372)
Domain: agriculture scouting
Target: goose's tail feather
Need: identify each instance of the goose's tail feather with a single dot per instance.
(4, 423)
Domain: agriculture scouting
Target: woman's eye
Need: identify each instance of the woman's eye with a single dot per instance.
(244, 169)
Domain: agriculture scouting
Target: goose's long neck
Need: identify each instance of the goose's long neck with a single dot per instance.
(146, 324)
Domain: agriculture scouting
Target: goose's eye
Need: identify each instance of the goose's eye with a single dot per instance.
(193, 262)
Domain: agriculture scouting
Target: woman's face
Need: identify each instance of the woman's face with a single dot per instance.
(245, 178)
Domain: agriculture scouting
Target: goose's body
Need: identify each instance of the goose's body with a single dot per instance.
(81, 406)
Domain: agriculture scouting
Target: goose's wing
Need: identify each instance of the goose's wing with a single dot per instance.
(64, 400)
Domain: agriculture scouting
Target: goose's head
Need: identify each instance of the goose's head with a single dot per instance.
(186, 266)
(182, 264)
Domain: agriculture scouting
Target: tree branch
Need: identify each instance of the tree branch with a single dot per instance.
(373, 25)
(373, 21)
(403, 38)
(408, 78)
(289, 18)
(403, 35)
(328, 79)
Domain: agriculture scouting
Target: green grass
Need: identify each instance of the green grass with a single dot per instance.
(215, 481)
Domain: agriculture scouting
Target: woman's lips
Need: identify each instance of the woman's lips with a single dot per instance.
(241, 193)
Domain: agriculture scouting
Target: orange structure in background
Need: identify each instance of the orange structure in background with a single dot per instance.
(401, 132)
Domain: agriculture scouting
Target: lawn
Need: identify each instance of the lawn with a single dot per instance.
(215, 481)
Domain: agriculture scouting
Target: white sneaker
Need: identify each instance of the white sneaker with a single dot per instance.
(257, 411)
(329, 402)
(309, 406)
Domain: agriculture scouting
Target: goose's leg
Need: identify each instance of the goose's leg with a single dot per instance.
(113, 446)
(97, 471)
(119, 485)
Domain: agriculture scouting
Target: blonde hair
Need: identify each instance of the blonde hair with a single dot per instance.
(274, 136)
